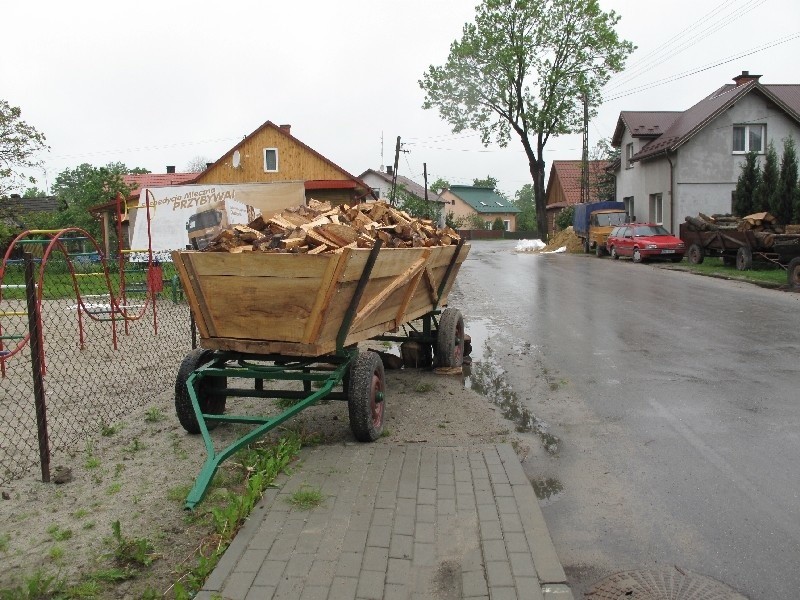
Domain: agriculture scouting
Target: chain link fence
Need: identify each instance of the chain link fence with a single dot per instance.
(110, 343)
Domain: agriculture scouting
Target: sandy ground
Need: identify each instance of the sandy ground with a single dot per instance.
(139, 471)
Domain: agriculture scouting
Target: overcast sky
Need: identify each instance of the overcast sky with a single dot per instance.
(152, 84)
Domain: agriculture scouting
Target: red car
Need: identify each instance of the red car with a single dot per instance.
(644, 241)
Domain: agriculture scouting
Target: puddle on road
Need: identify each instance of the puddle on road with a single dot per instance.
(487, 377)
(547, 489)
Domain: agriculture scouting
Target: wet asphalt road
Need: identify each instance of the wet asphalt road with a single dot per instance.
(676, 399)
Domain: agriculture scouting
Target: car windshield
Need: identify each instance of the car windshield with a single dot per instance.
(650, 230)
(605, 219)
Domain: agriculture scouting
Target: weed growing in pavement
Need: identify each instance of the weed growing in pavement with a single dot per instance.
(38, 585)
(134, 446)
(137, 552)
(88, 525)
(153, 415)
(109, 430)
(112, 575)
(114, 488)
(386, 432)
(4, 539)
(306, 499)
(80, 513)
(424, 388)
(56, 553)
(58, 534)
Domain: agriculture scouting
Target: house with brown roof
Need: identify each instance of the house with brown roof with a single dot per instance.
(564, 186)
(380, 182)
(270, 154)
(676, 164)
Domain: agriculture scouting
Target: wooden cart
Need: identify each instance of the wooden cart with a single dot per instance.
(299, 317)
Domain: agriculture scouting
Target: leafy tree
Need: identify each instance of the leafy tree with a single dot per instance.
(439, 185)
(417, 207)
(601, 182)
(34, 192)
(523, 200)
(498, 225)
(489, 182)
(138, 171)
(564, 217)
(788, 193)
(746, 186)
(85, 186)
(523, 68)
(475, 221)
(19, 143)
(451, 220)
(764, 197)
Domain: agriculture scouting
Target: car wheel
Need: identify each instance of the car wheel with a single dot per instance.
(696, 254)
(744, 259)
(637, 256)
(614, 254)
(793, 273)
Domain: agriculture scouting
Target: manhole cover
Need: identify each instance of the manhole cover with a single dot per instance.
(661, 584)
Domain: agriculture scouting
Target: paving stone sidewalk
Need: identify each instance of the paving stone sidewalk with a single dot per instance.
(397, 522)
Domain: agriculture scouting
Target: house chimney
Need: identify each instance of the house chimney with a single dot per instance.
(170, 168)
(209, 165)
(389, 170)
(745, 77)
(287, 129)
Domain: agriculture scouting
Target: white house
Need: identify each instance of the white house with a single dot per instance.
(676, 164)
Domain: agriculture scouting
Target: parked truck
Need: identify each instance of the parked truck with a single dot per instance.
(211, 219)
(593, 222)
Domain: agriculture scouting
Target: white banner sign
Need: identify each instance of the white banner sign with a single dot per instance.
(189, 216)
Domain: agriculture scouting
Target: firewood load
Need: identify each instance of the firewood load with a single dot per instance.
(766, 230)
(320, 228)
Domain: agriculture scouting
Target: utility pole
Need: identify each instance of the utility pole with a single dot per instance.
(393, 197)
(585, 157)
(425, 177)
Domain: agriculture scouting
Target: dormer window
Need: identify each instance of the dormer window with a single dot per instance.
(270, 160)
(748, 138)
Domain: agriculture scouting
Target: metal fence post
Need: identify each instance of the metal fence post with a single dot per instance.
(35, 341)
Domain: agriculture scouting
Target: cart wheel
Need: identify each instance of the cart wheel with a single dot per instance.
(212, 405)
(696, 254)
(366, 401)
(793, 273)
(450, 339)
(744, 259)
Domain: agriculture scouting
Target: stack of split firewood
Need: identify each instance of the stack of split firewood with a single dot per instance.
(766, 230)
(320, 228)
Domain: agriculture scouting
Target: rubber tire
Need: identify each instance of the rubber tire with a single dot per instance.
(744, 259)
(614, 254)
(695, 255)
(450, 339)
(367, 411)
(587, 248)
(793, 273)
(676, 259)
(637, 256)
(208, 405)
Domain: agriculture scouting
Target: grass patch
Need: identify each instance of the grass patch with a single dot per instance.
(109, 430)
(58, 534)
(423, 388)
(713, 267)
(153, 415)
(4, 539)
(306, 498)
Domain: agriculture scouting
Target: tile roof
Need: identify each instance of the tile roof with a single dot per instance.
(411, 186)
(157, 180)
(643, 124)
(21, 206)
(483, 200)
(568, 174)
(689, 122)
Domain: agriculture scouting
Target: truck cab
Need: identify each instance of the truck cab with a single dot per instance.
(601, 223)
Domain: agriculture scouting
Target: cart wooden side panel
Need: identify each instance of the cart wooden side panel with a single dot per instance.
(295, 303)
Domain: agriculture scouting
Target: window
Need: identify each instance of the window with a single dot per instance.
(507, 225)
(629, 208)
(270, 160)
(629, 156)
(748, 138)
(656, 209)
(377, 192)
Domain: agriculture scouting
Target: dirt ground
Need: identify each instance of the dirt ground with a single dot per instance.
(139, 470)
